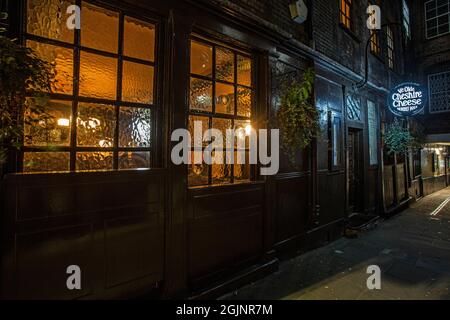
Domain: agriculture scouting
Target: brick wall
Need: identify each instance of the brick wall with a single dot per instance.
(275, 12)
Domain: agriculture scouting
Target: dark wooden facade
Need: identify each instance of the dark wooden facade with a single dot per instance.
(140, 232)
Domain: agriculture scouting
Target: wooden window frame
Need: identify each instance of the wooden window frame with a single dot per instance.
(75, 98)
(390, 41)
(209, 41)
(346, 14)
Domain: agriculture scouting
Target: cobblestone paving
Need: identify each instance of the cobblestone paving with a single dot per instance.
(412, 249)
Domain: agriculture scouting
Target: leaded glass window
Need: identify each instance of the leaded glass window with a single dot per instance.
(102, 104)
(437, 18)
(221, 97)
(353, 108)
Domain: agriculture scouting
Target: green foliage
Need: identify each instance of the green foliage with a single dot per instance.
(397, 138)
(297, 117)
(21, 74)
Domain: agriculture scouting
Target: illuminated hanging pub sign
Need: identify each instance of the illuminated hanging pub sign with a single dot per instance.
(407, 99)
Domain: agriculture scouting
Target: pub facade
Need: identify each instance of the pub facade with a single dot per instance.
(96, 187)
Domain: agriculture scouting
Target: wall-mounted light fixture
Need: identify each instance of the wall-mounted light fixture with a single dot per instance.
(299, 11)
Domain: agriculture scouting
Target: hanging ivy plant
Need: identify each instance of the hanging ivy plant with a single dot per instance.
(297, 117)
(21, 73)
(397, 138)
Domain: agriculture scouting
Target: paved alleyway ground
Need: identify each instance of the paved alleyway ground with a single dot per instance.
(412, 250)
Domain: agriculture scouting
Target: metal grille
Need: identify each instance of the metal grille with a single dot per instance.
(353, 108)
(439, 86)
(437, 17)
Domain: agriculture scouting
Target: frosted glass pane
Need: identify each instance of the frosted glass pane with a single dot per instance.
(221, 173)
(224, 65)
(139, 39)
(46, 161)
(96, 125)
(201, 95)
(244, 67)
(197, 173)
(99, 28)
(243, 131)
(134, 127)
(224, 98)
(50, 130)
(47, 18)
(241, 171)
(244, 108)
(98, 76)
(134, 160)
(94, 161)
(198, 141)
(137, 83)
(61, 63)
(201, 59)
(222, 125)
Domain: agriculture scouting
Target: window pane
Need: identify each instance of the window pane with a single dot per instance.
(51, 128)
(134, 160)
(46, 161)
(224, 98)
(205, 126)
(94, 161)
(201, 59)
(99, 28)
(198, 173)
(96, 125)
(221, 173)
(61, 63)
(241, 171)
(244, 71)
(244, 108)
(243, 130)
(201, 95)
(47, 18)
(134, 127)
(224, 65)
(222, 125)
(98, 76)
(137, 83)
(139, 39)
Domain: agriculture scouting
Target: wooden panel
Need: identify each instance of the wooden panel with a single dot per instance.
(43, 258)
(225, 228)
(388, 186)
(292, 210)
(331, 197)
(111, 224)
(401, 182)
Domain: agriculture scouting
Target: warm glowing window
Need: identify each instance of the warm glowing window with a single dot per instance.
(375, 42)
(390, 47)
(221, 97)
(346, 13)
(101, 108)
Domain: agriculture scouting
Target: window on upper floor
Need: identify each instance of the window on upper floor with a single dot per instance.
(406, 20)
(375, 47)
(437, 18)
(439, 86)
(390, 48)
(346, 13)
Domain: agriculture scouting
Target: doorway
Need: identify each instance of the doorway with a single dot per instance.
(355, 167)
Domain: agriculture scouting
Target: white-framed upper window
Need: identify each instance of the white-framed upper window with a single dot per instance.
(437, 18)
(439, 92)
(406, 20)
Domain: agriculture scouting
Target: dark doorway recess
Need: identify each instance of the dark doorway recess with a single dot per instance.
(355, 167)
